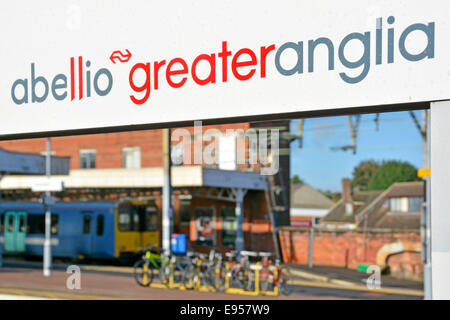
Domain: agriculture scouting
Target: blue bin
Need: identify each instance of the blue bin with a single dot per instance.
(178, 243)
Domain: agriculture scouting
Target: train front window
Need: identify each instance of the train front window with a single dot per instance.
(151, 218)
(124, 217)
(136, 219)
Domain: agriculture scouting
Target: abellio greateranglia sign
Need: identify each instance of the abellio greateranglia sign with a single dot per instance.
(107, 64)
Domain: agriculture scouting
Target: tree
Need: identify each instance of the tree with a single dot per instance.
(363, 172)
(390, 172)
(296, 179)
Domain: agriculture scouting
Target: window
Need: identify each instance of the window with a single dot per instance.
(185, 212)
(229, 227)
(414, 204)
(316, 221)
(124, 217)
(131, 157)
(100, 224)
(405, 204)
(1, 222)
(54, 224)
(36, 224)
(11, 224)
(348, 208)
(138, 218)
(395, 204)
(136, 223)
(86, 224)
(87, 158)
(22, 224)
(151, 218)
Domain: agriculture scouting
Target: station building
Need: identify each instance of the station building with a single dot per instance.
(129, 165)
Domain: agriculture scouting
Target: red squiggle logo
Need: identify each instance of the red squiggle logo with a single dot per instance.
(118, 55)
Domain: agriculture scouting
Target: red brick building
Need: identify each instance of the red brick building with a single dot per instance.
(108, 147)
(130, 154)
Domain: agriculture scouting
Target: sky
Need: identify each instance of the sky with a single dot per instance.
(316, 164)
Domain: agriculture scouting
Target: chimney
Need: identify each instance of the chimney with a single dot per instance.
(346, 190)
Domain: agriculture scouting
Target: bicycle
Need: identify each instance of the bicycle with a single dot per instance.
(192, 278)
(144, 268)
(173, 272)
(272, 276)
(240, 273)
(205, 271)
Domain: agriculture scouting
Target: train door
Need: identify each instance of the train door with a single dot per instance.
(149, 225)
(15, 231)
(87, 236)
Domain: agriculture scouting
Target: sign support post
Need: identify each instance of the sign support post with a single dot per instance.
(48, 217)
(440, 202)
(167, 215)
(427, 280)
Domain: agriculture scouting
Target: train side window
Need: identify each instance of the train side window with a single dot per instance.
(54, 224)
(36, 224)
(100, 224)
(22, 225)
(11, 224)
(151, 218)
(124, 218)
(87, 224)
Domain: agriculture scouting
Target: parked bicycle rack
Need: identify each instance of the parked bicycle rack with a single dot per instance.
(257, 291)
(228, 290)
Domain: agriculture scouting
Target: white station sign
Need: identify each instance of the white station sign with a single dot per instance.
(47, 184)
(106, 64)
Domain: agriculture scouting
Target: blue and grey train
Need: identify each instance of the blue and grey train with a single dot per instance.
(94, 230)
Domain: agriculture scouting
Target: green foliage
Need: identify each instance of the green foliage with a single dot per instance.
(363, 172)
(390, 172)
(296, 179)
(334, 196)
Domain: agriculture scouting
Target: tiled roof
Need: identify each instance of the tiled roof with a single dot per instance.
(406, 189)
(360, 199)
(378, 216)
(305, 196)
(410, 221)
(371, 206)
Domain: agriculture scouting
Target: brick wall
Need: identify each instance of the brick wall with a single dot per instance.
(109, 146)
(350, 248)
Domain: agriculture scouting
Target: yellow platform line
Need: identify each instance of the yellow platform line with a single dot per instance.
(55, 295)
(108, 269)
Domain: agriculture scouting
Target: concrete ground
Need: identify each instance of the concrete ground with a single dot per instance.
(24, 280)
(349, 277)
